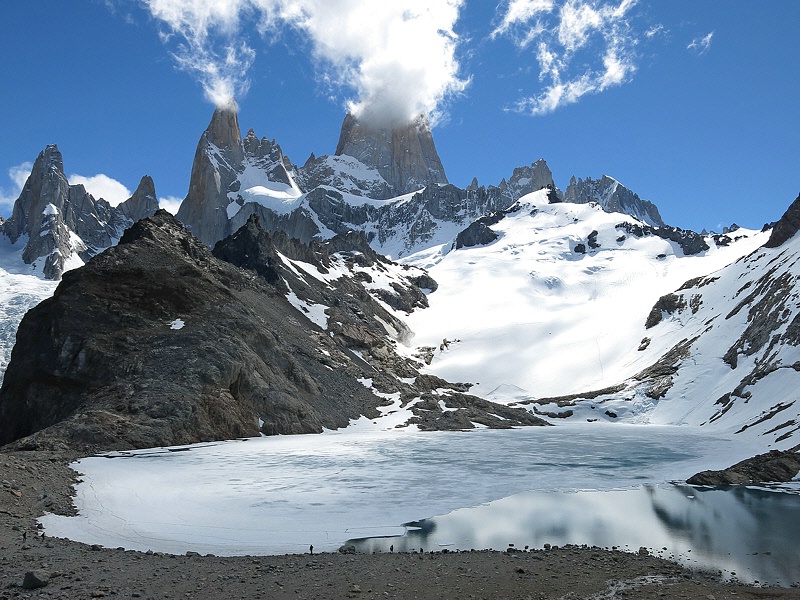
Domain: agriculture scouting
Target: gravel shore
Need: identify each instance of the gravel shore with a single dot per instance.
(35, 482)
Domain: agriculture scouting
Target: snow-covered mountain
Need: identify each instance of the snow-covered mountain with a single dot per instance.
(573, 305)
(60, 225)
(234, 179)
(579, 313)
(354, 190)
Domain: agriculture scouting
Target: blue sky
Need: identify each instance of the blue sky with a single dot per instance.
(693, 105)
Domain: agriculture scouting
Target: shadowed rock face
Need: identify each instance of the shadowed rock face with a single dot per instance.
(786, 227)
(405, 156)
(105, 363)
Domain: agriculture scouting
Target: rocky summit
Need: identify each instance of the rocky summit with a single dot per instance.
(228, 172)
(404, 155)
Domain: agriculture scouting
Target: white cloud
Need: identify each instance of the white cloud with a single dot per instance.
(102, 186)
(170, 203)
(701, 44)
(398, 57)
(583, 47)
(18, 175)
(522, 12)
(208, 45)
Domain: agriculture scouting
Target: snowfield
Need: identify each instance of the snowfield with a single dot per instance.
(21, 288)
(529, 317)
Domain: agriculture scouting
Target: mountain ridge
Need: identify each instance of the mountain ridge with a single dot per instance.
(63, 225)
(587, 288)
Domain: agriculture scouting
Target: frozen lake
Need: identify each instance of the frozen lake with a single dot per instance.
(749, 534)
(281, 494)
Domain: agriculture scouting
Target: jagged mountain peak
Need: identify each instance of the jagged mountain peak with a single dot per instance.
(527, 179)
(613, 197)
(404, 155)
(229, 173)
(51, 158)
(63, 225)
(223, 131)
(142, 203)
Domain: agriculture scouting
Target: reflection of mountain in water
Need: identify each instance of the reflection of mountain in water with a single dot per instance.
(746, 533)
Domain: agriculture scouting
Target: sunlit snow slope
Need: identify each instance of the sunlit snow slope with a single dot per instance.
(741, 372)
(531, 316)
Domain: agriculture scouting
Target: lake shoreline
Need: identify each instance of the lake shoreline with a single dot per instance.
(37, 482)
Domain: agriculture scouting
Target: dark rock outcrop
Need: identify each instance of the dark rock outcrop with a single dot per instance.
(156, 342)
(690, 242)
(786, 227)
(404, 155)
(773, 466)
(477, 234)
(669, 303)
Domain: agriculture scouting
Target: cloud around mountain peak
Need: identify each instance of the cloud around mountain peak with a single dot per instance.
(397, 59)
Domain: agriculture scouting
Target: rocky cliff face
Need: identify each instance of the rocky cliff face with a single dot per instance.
(228, 173)
(345, 174)
(233, 180)
(157, 342)
(62, 224)
(404, 156)
(613, 197)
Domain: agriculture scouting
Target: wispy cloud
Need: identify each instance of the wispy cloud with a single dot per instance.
(655, 30)
(581, 47)
(102, 186)
(396, 58)
(205, 34)
(701, 44)
(17, 175)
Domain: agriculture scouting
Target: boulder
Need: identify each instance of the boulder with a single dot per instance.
(773, 466)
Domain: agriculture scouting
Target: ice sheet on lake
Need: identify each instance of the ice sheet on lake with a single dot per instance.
(281, 494)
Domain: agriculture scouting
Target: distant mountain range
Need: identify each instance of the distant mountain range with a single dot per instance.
(271, 303)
